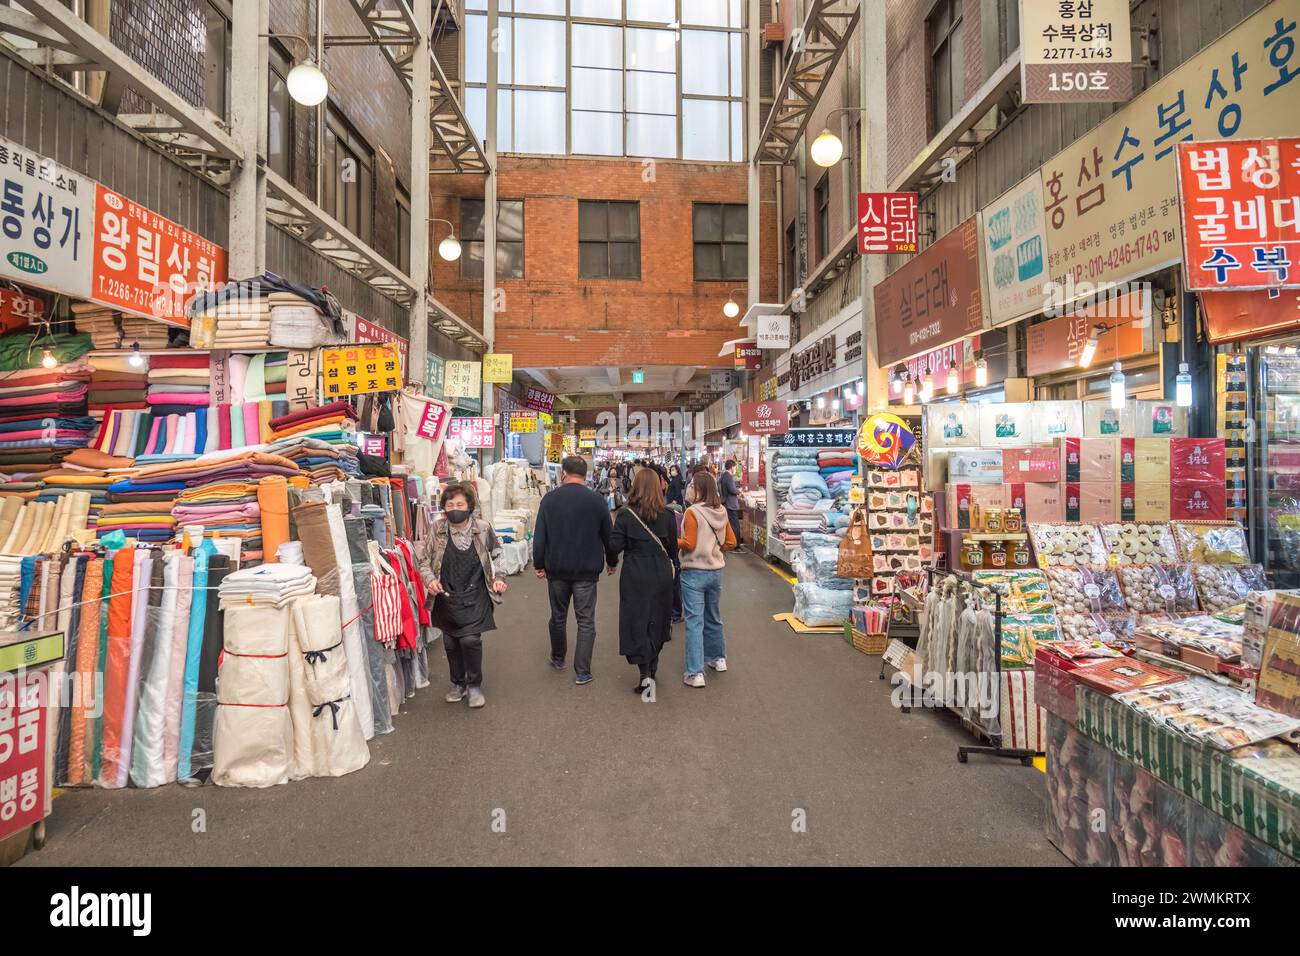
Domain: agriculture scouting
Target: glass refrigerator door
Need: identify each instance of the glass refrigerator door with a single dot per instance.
(1275, 500)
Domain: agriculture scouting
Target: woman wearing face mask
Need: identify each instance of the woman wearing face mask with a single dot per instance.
(458, 565)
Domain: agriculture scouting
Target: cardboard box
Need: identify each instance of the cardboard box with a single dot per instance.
(1032, 464)
(952, 425)
(1044, 504)
(1127, 503)
(1119, 674)
(1197, 501)
(1004, 424)
(985, 467)
(961, 497)
(1151, 501)
(1279, 673)
(1098, 460)
(1159, 420)
(1102, 421)
(1098, 502)
(1053, 420)
(1151, 456)
(1197, 460)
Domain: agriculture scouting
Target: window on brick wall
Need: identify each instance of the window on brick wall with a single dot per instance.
(279, 115)
(349, 176)
(510, 238)
(822, 207)
(947, 64)
(1008, 28)
(609, 240)
(721, 241)
(403, 244)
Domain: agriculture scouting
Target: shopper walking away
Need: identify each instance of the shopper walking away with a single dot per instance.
(458, 565)
(571, 543)
(706, 537)
(645, 533)
(730, 494)
(676, 494)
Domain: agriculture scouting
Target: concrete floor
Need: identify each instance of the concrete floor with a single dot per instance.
(591, 775)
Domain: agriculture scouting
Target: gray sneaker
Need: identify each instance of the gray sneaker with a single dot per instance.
(476, 698)
(455, 694)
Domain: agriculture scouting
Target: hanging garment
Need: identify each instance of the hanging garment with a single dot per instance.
(253, 734)
(386, 592)
(117, 664)
(147, 768)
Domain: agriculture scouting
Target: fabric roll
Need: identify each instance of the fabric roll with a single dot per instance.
(255, 379)
(9, 511)
(223, 426)
(199, 438)
(95, 741)
(317, 545)
(143, 630)
(273, 504)
(193, 653)
(87, 658)
(237, 366)
(264, 415)
(237, 426)
(213, 442)
(173, 700)
(252, 428)
(355, 530)
(203, 749)
(117, 665)
(147, 768)
(73, 585)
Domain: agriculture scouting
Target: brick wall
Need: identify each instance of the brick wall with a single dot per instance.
(552, 316)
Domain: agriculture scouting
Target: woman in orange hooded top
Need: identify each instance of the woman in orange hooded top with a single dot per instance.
(706, 537)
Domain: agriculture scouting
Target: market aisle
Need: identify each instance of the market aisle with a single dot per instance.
(590, 775)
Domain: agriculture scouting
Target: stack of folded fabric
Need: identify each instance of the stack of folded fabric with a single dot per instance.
(123, 432)
(173, 437)
(116, 383)
(92, 489)
(321, 461)
(271, 585)
(837, 466)
(178, 383)
(334, 423)
(142, 520)
(228, 509)
(11, 567)
(240, 321)
(109, 329)
(43, 412)
(277, 375)
(298, 324)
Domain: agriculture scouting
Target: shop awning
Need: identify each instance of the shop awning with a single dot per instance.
(759, 309)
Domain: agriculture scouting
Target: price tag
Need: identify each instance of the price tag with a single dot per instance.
(1113, 561)
(1042, 561)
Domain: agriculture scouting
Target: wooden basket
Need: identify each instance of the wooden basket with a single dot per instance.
(869, 643)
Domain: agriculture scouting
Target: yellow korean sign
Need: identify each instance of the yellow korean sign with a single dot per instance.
(359, 369)
(523, 422)
(1111, 198)
(462, 380)
(498, 367)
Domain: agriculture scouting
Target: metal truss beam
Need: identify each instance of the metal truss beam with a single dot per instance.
(455, 148)
(825, 37)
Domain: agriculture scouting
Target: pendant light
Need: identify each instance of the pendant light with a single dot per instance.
(927, 386)
(862, 387)
(827, 149)
(47, 359)
(954, 382)
(1117, 387)
(981, 370)
(135, 359)
(1090, 346)
(1183, 386)
(895, 381)
(821, 402)
(909, 391)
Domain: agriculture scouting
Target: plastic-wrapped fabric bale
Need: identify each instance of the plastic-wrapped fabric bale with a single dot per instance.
(74, 580)
(190, 680)
(205, 709)
(351, 612)
(253, 732)
(147, 765)
(817, 606)
(337, 744)
(514, 556)
(124, 614)
(819, 556)
(376, 663)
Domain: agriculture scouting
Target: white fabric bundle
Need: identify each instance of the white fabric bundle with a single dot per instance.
(350, 611)
(325, 663)
(254, 733)
(270, 584)
(253, 746)
(299, 327)
(327, 738)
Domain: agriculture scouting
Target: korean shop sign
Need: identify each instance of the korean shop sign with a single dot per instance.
(1054, 345)
(433, 421)
(363, 330)
(1015, 252)
(748, 356)
(47, 215)
(1240, 205)
(498, 367)
(24, 723)
(773, 331)
(931, 300)
(522, 423)
(1075, 51)
(814, 438)
(358, 369)
(817, 359)
(1111, 198)
(1238, 316)
(473, 432)
(433, 369)
(147, 264)
(18, 309)
(539, 400)
(764, 418)
(463, 380)
(887, 222)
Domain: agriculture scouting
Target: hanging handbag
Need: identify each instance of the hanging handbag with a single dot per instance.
(854, 559)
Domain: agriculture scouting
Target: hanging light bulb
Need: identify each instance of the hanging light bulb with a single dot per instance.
(895, 382)
(1090, 347)
(981, 370)
(1117, 388)
(862, 387)
(827, 149)
(927, 386)
(1183, 386)
(47, 359)
(307, 84)
(821, 402)
(135, 359)
(909, 391)
(953, 381)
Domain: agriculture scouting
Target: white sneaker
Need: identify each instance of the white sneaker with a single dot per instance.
(719, 665)
(693, 680)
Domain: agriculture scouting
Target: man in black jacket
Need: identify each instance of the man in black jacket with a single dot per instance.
(730, 493)
(570, 546)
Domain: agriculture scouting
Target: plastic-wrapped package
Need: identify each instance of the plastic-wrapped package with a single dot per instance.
(1211, 543)
(1140, 543)
(1068, 544)
(1221, 586)
(818, 606)
(1021, 635)
(1153, 588)
(1085, 590)
(1022, 591)
(1110, 628)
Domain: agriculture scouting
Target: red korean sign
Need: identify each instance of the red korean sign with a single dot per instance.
(749, 356)
(539, 401)
(17, 309)
(473, 432)
(147, 264)
(364, 330)
(375, 445)
(1240, 207)
(22, 751)
(887, 222)
(433, 421)
(764, 418)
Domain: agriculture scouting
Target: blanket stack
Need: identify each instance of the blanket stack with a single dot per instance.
(321, 461)
(837, 466)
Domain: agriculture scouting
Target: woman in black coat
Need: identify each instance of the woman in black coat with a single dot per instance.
(645, 533)
(676, 494)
